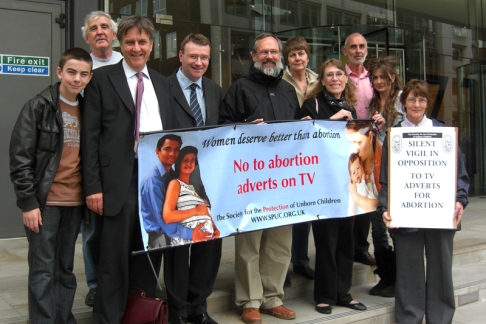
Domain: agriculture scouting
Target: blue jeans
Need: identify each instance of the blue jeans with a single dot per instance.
(91, 247)
(52, 283)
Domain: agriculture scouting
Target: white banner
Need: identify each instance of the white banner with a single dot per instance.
(254, 176)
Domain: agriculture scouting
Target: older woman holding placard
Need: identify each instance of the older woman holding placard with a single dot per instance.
(422, 291)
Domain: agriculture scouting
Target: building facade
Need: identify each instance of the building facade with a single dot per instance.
(441, 41)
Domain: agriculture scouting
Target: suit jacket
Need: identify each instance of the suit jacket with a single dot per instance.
(107, 140)
(183, 115)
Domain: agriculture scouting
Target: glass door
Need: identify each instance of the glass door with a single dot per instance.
(471, 102)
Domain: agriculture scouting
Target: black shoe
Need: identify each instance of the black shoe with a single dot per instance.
(359, 306)
(287, 282)
(388, 291)
(305, 271)
(324, 309)
(364, 257)
(201, 319)
(178, 320)
(379, 287)
(90, 297)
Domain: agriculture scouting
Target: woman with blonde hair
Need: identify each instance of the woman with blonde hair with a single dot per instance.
(334, 98)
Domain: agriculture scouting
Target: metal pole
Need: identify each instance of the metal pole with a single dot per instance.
(339, 41)
(220, 68)
(424, 60)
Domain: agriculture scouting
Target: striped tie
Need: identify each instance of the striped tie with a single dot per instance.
(196, 110)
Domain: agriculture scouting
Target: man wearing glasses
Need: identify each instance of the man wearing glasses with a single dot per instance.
(262, 257)
(190, 270)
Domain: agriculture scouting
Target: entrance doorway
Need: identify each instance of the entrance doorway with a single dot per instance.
(41, 37)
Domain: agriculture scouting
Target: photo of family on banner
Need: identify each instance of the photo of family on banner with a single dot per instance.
(211, 183)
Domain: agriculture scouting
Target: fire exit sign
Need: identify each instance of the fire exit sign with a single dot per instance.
(24, 65)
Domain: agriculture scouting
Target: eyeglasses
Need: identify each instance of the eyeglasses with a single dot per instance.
(266, 53)
(337, 75)
(421, 101)
(196, 57)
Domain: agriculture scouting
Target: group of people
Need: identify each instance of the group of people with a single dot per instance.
(342, 93)
(69, 149)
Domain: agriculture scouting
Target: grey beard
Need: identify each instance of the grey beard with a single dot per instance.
(274, 71)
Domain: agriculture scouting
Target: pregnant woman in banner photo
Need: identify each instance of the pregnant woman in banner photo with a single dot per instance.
(186, 200)
(423, 291)
(334, 239)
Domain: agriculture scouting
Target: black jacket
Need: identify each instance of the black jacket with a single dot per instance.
(256, 95)
(462, 180)
(327, 106)
(36, 148)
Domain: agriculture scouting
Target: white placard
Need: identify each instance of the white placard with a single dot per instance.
(422, 176)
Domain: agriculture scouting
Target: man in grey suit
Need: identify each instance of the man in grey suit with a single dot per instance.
(195, 101)
(121, 101)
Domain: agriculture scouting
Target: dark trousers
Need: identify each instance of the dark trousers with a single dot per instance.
(300, 244)
(334, 260)
(424, 291)
(120, 270)
(378, 231)
(91, 247)
(361, 231)
(189, 274)
(52, 283)
(383, 253)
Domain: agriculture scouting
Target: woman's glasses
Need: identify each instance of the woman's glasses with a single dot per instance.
(421, 101)
(337, 75)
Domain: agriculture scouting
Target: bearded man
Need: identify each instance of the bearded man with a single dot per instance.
(262, 257)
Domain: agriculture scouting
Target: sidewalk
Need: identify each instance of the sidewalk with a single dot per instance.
(469, 282)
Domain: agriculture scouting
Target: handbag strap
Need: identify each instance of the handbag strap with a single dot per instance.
(317, 106)
(139, 290)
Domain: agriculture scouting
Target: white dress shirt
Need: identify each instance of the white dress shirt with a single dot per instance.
(150, 120)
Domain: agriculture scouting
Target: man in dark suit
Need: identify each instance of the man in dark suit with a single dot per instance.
(195, 101)
(120, 103)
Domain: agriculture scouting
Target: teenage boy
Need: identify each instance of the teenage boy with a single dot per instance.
(45, 168)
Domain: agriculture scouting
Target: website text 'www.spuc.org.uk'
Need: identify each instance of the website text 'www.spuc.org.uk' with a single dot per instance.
(275, 216)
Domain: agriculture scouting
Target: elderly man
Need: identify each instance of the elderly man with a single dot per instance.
(262, 257)
(121, 101)
(99, 32)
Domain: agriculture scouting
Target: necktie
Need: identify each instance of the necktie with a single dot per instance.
(196, 110)
(138, 104)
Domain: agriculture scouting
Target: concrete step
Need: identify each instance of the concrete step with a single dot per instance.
(467, 250)
(469, 291)
(469, 269)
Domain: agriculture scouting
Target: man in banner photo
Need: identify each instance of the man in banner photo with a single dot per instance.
(162, 233)
(152, 194)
